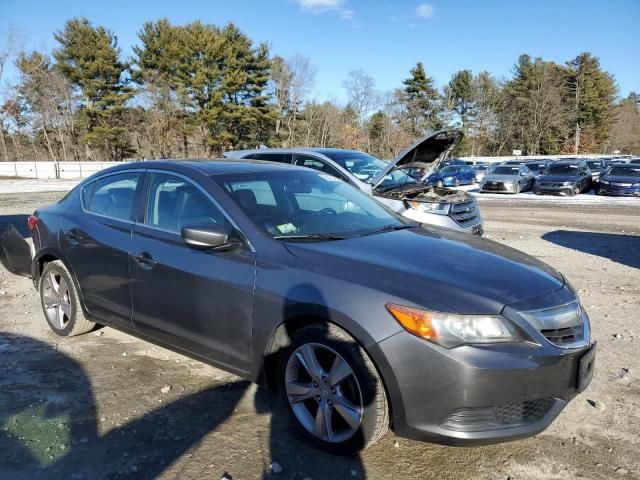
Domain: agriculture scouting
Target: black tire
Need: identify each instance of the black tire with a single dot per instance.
(76, 323)
(375, 410)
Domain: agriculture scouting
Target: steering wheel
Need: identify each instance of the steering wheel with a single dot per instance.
(327, 211)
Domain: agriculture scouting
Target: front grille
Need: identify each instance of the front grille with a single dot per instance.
(494, 187)
(495, 418)
(465, 213)
(564, 336)
(529, 411)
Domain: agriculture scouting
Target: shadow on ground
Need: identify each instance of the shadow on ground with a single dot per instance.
(623, 249)
(49, 426)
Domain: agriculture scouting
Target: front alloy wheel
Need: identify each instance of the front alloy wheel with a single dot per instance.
(332, 389)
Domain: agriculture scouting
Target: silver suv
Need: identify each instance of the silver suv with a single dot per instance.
(397, 184)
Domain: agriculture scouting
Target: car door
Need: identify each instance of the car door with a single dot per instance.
(194, 299)
(96, 243)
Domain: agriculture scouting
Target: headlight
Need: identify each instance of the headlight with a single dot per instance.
(636, 185)
(450, 330)
(604, 182)
(567, 184)
(431, 207)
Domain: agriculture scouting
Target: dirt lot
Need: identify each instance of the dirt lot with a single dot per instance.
(94, 406)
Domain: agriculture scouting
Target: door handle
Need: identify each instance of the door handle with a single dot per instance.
(144, 259)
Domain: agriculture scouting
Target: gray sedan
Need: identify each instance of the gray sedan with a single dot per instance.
(359, 318)
(508, 179)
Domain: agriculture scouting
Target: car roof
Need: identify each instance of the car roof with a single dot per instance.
(321, 150)
(216, 166)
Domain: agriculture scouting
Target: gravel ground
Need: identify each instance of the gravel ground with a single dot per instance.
(106, 405)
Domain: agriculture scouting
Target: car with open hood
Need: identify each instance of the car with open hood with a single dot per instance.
(507, 178)
(360, 319)
(564, 177)
(621, 179)
(397, 183)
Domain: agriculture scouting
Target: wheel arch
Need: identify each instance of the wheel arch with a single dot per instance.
(281, 338)
(48, 255)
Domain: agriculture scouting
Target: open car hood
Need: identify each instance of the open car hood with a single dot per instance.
(426, 153)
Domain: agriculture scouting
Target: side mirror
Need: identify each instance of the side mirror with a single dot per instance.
(208, 237)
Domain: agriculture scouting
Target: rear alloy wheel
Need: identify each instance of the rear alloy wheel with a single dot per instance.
(332, 389)
(60, 302)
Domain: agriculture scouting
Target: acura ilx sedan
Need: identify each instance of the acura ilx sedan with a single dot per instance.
(358, 317)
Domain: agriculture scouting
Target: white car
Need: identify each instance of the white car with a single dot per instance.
(397, 183)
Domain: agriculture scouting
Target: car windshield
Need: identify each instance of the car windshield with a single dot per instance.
(562, 169)
(307, 205)
(480, 167)
(626, 171)
(366, 167)
(505, 170)
(594, 164)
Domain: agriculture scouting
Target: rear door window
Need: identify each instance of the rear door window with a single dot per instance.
(113, 196)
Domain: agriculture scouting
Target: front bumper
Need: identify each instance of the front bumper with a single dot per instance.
(473, 395)
(498, 187)
(473, 226)
(617, 191)
(543, 189)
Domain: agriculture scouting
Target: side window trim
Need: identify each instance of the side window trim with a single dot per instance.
(95, 181)
(141, 221)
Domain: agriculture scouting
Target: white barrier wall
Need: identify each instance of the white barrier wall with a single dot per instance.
(46, 170)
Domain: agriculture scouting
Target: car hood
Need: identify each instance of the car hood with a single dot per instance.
(500, 178)
(558, 178)
(621, 179)
(436, 268)
(427, 153)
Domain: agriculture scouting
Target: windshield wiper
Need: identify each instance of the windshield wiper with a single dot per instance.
(389, 228)
(310, 236)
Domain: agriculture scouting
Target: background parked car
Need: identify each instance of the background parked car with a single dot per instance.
(564, 177)
(481, 170)
(621, 179)
(452, 161)
(634, 160)
(508, 178)
(537, 166)
(597, 168)
(452, 176)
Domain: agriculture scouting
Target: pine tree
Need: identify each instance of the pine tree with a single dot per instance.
(593, 92)
(422, 101)
(89, 58)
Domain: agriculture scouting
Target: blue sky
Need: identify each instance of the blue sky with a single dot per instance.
(382, 37)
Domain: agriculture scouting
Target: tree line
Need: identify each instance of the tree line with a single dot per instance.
(197, 90)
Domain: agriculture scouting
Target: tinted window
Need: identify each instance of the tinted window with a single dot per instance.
(628, 171)
(173, 203)
(505, 170)
(562, 169)
(113, 195)
(272, 157)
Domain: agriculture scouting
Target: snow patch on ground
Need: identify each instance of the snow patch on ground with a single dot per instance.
(35, 185)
